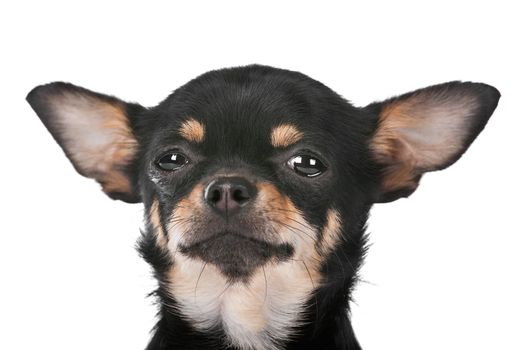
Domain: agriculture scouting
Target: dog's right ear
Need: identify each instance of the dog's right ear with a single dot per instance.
(96, 133)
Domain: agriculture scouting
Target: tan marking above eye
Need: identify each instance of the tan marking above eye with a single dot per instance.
(192, 130)
(285, 135)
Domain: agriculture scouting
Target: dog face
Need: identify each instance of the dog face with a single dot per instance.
(256, 165)
(257, 182)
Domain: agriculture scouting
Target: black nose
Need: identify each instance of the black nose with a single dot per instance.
(228, 194)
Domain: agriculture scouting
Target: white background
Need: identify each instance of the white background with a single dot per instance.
(445, 268)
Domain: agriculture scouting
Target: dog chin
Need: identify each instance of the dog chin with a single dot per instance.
(236, 255)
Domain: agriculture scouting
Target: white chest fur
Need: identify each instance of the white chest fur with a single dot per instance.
(253, 314)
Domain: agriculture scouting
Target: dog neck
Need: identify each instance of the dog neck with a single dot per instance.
(253, 313)
(329, 329)
(281, 306)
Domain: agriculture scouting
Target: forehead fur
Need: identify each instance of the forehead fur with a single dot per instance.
(285, 135)
(240, 104)
(244, 116)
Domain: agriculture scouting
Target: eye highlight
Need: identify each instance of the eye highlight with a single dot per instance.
(306, 165)
(172, 161)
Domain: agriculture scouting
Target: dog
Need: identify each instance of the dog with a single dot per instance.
(257, 183)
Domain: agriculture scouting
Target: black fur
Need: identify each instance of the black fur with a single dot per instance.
(239, 108)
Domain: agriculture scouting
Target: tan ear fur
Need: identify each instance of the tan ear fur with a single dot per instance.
(93, 130)
(428, 130)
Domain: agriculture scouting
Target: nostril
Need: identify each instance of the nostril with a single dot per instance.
(240, 195)
(215, 195)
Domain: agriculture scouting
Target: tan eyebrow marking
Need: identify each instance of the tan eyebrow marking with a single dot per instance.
(285, 135)
(192, 130)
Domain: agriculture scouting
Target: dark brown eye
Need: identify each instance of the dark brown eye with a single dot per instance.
(306, 165)
(172, 161)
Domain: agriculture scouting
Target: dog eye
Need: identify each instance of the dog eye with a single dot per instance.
(172, 161)
(306, 165)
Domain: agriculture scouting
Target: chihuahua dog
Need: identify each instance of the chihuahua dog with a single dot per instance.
(257, 183)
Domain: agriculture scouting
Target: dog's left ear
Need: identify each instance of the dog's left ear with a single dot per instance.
(427, 130)
(95, 131)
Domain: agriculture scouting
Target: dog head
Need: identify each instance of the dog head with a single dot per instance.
(257, 173)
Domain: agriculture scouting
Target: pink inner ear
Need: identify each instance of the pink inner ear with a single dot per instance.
(97, 137)
(423, 132)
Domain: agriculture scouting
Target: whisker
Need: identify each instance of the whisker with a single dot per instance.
(178, 219)
(315, 295)
(274, 231)
(174, 224)
(198, 279)
(349, 262)
(265, 285)
(228, 285)
(287, 217)
(183, 207)
(340, 263)
(295, 233)
(285, 210)
(293, 228)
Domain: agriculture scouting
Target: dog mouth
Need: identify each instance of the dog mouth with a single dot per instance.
(236, 255)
